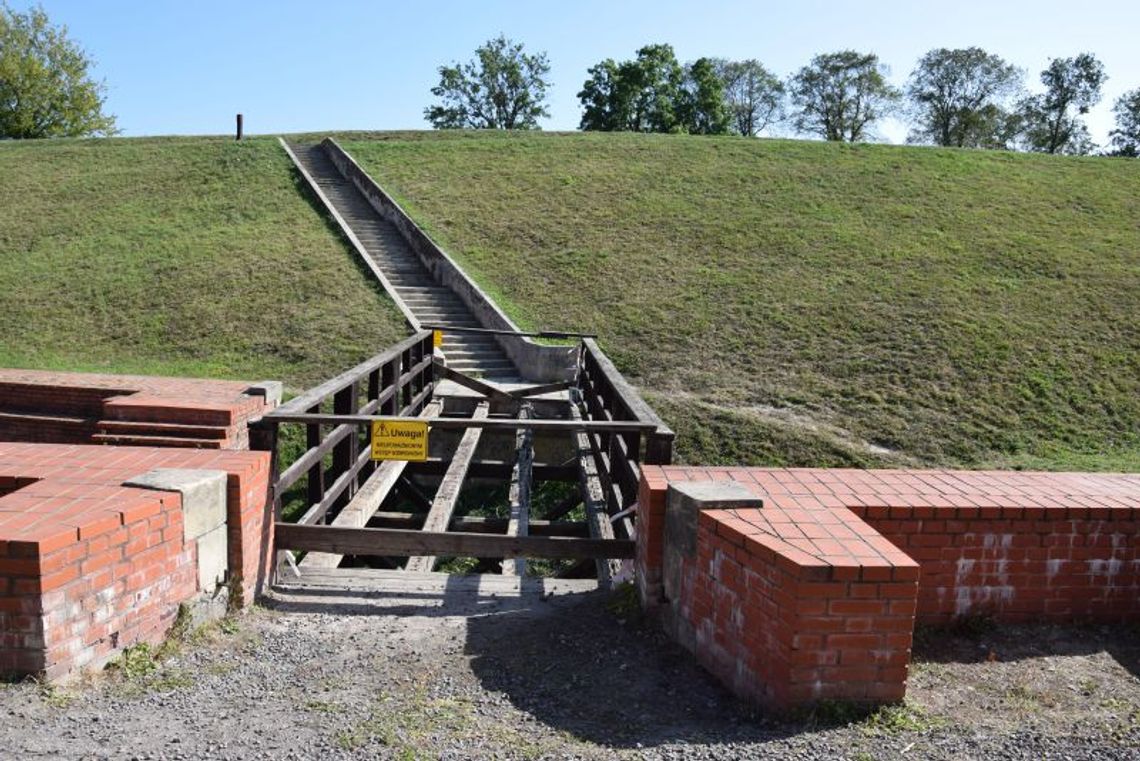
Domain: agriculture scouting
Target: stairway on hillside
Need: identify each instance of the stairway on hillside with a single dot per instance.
(431, 302)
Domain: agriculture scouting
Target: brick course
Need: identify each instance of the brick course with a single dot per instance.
(82, 408)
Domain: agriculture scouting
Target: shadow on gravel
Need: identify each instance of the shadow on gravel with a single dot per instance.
(617, 682)
(570, 661)
(977, 641)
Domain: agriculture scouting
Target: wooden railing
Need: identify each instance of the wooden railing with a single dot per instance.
(335, 460)
(607, 396)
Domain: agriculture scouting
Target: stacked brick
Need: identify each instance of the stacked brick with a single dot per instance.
(82, 408)
(812, 591)
(89, 566)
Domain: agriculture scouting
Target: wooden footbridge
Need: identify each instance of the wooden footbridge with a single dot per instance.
(548, 439)
(337, 507)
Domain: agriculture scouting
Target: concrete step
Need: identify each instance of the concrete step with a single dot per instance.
(430, 302)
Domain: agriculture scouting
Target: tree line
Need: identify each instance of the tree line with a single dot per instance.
(964, 97)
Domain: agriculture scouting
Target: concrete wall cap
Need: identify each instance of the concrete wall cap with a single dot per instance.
(203, 495)
(719, 492)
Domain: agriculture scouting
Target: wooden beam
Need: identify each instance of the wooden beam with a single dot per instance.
(546, 388)
(594, 498)
(317, 394)
(397, 542)
(477, 524)
(474, 384)
(518, 523)
(368, 500)
(454, 423)
(443, 505)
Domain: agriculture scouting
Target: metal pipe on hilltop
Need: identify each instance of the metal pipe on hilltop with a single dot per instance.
(239, 126)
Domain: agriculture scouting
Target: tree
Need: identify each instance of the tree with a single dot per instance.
(501, 88)
(703, 110)
(840, 94)
(45, 88)
(1126, 136)
(1052, 119)
(959, 98)
(753, 95)
(643, 95)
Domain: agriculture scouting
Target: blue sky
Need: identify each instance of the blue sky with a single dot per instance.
(187, 67)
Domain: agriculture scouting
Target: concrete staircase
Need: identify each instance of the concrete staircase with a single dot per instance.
(429, 301)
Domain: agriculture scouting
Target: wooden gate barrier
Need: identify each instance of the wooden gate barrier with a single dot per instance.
(329, 494)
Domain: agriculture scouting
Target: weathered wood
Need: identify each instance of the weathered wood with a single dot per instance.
(441, 423)
(446, 496)
(517, 525)
(594, 499)
(396, 542)
(346, 402)
(315, 482)
(546, 388)
(478, 524)
(367, 501)
(319, 393)
(474, 384)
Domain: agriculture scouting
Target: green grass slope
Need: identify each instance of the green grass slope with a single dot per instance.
(798, 302)
(192, 256)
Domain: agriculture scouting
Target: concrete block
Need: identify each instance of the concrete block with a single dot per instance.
(213, 560)
(270, 389)
(686, 499)
(203, 496)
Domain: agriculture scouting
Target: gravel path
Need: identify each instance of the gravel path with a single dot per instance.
(334, 676)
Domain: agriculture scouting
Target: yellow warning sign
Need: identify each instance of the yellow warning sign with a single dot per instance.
(400, 440)
(437, 338)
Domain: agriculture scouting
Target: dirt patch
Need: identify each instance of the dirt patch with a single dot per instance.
(574, 676)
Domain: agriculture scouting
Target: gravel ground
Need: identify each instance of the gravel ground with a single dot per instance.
(569, 676)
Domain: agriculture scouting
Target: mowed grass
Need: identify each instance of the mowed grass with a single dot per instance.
(176, 256)
(813, 304)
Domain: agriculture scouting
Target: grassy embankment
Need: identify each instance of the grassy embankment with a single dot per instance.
(186, 256)
(804, 303)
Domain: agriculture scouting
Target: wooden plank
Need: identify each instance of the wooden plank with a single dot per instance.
(367, 501)
(546, 388)
(393, 542)
(593, 497)
(479, 524)
(474, 384)
(319, 393)
(443, 505)
(518, 523)
(565, 426)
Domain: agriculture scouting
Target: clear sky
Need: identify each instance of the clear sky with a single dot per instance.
(187, 66)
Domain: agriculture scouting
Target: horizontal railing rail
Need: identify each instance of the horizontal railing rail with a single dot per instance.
(394, 384)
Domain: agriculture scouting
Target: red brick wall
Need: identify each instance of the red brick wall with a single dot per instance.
(1020, 563)
(784, 608)
(88, 567)
(782, 634)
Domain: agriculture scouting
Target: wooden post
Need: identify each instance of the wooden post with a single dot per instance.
(239, 125)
